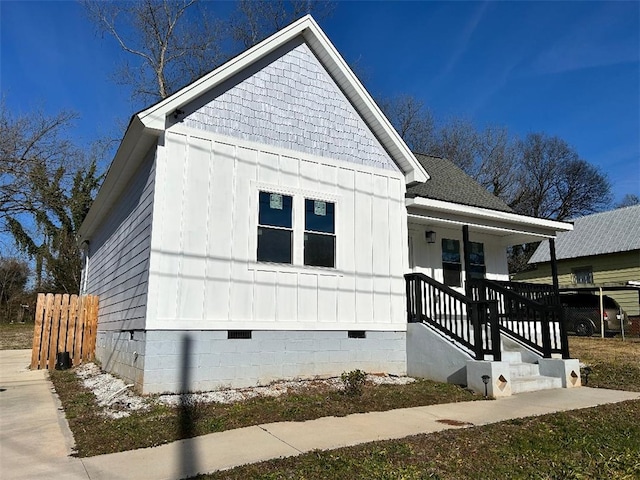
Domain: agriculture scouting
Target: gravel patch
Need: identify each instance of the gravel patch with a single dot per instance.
(118, 399)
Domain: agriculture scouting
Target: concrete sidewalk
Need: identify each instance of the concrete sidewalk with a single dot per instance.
(228, 449)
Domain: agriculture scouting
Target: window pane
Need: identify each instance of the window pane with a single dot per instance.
(477, 271)
(477, 253)
(451, 272)
(319, 216)
(319, 250)
(450, 251)
(274, 245)
(583, 275)
(275, 209)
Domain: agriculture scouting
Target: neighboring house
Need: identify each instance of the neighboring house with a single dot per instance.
(603, 250)
(258, 224)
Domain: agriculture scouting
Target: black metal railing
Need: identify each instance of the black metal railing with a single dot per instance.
(529, 315)
(473, 324)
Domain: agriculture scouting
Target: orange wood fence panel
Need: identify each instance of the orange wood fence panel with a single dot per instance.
(64, 323)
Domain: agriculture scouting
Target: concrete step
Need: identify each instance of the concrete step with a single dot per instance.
(524, 370)
(534, 383)
(511, 356)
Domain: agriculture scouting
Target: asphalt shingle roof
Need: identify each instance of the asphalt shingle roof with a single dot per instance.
(450, 184)
(607, 232)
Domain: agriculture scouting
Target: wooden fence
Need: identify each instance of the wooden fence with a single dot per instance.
(64, 323)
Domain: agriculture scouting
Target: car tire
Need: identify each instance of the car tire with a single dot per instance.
(583, 328)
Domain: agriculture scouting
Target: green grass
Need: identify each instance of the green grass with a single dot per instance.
(94, 434)
(594, 443)
(16, 336)
(614, 363)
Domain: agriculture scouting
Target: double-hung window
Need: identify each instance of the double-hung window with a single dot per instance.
(275, 228)
(477, 266)
(451, 264)
(296, 230)
(319, 233)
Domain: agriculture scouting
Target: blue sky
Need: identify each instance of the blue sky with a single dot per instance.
(570, 69)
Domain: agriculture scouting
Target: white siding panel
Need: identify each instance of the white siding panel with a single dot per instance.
(327, 298)
(398, 247)
(364, 246)
(242, 279)
(380, 249)
(346, 246)
(119, 254)
(307, 298)
(210, 216)
(287, 305)
(219, 231)
(264, 294)
(194, 228)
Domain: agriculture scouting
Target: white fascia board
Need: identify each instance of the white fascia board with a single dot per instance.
(155, 116)
(519, 222)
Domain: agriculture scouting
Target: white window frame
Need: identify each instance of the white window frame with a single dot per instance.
(298, 223)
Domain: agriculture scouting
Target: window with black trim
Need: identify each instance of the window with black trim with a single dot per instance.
(451, 264)
(275, 228)
(319, 233)
(477, 266)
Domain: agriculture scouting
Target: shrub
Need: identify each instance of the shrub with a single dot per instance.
(353, 382)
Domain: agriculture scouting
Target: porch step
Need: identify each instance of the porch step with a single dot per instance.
(534, 383)
(519, 370)
(511, 356)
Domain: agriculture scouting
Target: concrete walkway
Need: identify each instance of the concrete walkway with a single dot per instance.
(33, 440)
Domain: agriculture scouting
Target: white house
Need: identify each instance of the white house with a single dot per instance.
(258, 224)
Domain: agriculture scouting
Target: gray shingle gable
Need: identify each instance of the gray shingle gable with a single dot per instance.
(598, 234)
(450, 184)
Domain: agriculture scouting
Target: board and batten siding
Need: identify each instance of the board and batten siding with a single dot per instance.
(204, 273)
(118, 268)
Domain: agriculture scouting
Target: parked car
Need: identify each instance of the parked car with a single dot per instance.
(582, 314)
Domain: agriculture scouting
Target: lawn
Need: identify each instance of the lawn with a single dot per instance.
(95, 434)
(16, 336)
(601, 442)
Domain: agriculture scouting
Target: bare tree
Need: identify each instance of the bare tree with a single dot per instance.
(29, 143)
(554, 182)
(628, 200)
(413, 121)
(458, 141)
(255, 20)
(496, 165)
(173, 42)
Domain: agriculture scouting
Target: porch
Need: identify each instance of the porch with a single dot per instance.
(459, 289)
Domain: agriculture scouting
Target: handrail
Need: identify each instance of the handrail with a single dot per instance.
(539, 292)
(534, 323)
(473, 324)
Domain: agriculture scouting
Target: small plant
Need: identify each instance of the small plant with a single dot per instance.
(353, 382)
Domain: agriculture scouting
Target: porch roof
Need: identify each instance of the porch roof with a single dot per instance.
(510, 228)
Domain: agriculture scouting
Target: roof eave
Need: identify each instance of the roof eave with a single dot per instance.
(542, 227)
(135, 143)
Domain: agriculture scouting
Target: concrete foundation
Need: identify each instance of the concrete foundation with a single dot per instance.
(177, 361)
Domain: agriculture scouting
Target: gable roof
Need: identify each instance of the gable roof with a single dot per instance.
(148, 125)
(601, 233)
(449, 183)
(155, 117)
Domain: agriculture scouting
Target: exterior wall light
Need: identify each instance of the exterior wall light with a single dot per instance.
(430, 236)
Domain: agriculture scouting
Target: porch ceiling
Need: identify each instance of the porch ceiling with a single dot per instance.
(509, 228)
